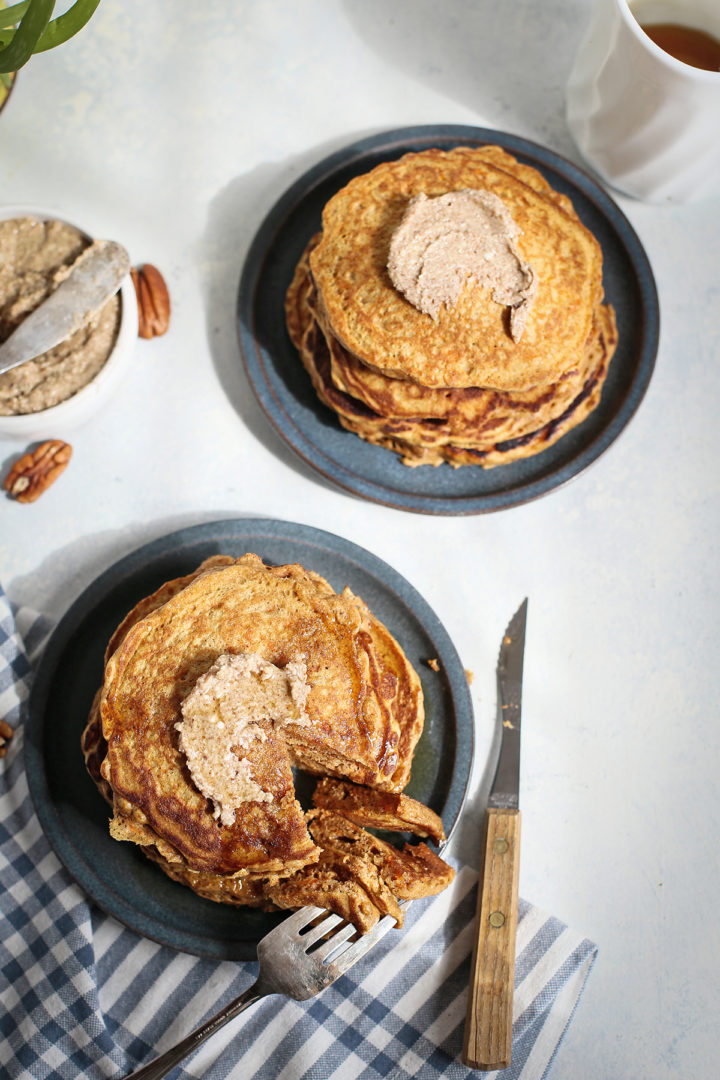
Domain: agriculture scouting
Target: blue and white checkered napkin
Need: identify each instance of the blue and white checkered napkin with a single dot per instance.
(82, 996)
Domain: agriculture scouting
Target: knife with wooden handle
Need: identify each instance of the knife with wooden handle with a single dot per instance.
(488, 1021)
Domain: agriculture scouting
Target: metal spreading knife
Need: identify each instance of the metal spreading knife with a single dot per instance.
(488, 1022)
(94, 278)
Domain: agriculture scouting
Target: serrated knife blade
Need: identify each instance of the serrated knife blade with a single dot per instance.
(488, 1022)
(505, 790)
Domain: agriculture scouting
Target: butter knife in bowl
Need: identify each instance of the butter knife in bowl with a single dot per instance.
(96, 276)
(488, 1022)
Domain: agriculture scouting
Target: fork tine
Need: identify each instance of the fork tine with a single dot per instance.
(328, 947)
(323, 927)
(358, 948)
(294, 923)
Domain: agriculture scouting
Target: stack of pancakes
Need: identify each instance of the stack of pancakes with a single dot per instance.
(456, 387)
(364, 710)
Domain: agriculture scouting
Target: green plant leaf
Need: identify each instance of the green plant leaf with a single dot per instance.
(67, 25)
(16, 51)
(11, 16)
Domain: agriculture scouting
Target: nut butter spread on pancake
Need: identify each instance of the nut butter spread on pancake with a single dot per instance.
(224, 718)
(363, 705)
(468, 344)
(443, 242)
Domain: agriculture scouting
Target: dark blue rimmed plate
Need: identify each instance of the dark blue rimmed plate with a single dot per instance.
(75, 817)
(286, 395)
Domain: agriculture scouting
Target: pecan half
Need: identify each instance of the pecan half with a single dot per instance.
(6, 734)
(153, 300)
(35, 471)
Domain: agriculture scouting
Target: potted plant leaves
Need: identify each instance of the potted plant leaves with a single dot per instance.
(28, 27)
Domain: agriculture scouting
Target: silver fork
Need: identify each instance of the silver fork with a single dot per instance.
(299, 958)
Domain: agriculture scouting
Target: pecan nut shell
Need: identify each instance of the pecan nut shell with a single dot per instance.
(153, 300)
(35, 471)
(6, 734)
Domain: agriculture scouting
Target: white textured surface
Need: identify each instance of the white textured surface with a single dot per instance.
(173, 127)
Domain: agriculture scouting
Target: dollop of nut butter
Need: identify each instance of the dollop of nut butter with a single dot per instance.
(443, 241)
(222, 717)
(35, 256)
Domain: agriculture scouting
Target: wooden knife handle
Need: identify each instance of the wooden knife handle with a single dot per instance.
(488, 1022)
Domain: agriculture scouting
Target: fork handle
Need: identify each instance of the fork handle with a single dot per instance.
(162, 1065)
(488, 1023)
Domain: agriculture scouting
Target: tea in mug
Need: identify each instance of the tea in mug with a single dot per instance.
(685, 43)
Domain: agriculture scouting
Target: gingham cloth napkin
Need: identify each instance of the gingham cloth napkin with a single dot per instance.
(83, 996)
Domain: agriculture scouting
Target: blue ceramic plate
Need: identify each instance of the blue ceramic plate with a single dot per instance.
(284, 390)
(75, 817)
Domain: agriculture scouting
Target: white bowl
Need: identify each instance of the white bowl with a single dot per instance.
(76, 410)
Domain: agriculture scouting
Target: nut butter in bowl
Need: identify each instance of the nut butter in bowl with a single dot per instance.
(66, 385)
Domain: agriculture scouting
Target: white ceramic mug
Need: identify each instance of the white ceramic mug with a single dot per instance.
(648, 124)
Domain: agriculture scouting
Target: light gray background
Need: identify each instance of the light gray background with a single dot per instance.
(173, 127)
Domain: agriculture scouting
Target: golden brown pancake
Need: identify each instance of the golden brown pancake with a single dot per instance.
(272, 768)
(425, 444)
(364, 705)
(497, 156)
(93, 742)
(469, 344)
(397, 686)
(456, 388)
(364, 697)
(94, 748)
(160, 597)
(469, 426)
(468, 417)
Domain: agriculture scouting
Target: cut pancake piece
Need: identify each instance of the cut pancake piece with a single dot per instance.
(341, 882)
(321, 885)
(411, 872)
(378, 809)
